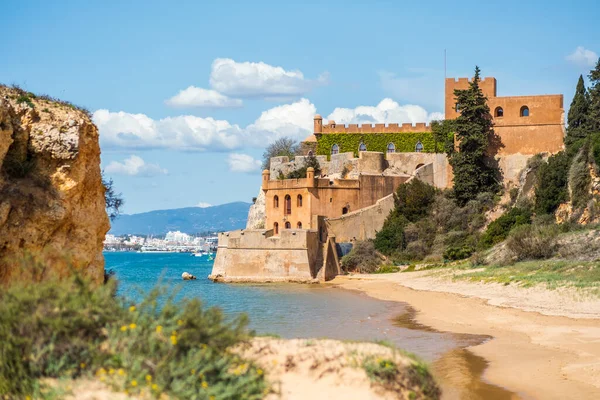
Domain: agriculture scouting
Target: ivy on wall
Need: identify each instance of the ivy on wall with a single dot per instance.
(349, 142)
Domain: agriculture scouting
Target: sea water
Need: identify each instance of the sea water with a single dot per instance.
(302, 311)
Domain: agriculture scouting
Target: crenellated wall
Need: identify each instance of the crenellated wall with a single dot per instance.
(332, 127)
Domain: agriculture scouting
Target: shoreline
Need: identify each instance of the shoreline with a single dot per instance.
(531, 354)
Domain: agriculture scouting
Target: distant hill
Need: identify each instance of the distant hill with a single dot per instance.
(190, 220)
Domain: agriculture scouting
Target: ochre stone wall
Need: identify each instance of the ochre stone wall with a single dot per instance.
(362, 224)
(324, 197)
(258, 255)
(542, 131)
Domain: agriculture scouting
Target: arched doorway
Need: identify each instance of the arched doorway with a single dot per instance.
(299, 225)
(288, 225)
(276, 228)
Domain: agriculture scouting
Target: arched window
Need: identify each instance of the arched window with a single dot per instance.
(499, 112)
(391, 148)
(310, 153)
(276, 202)
(288, 205)
(288, 225)
(362, 147)
(299, 225)
(419, 147)
(457, 107)
(335, 149)
(299, 201)
(524, 111)
(276, 228)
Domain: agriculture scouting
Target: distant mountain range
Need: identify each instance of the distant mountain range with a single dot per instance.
(190, 220)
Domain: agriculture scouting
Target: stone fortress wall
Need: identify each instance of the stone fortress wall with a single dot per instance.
(352, 196)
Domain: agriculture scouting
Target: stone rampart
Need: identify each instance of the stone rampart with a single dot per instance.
(294, 255)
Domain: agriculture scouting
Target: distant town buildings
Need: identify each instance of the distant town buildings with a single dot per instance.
(173, 241)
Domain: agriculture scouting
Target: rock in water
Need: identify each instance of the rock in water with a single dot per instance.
(187, 276)
(51, 192)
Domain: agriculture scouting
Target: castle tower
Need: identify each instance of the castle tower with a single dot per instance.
(266, 175)
(310, 177)
(318, 124)
(487, 85)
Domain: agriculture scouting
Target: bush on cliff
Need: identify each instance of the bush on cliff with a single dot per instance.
(533, 242)
(70, 329)
(499, 229)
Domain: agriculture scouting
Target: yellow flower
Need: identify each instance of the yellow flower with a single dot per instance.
(132, 308)
(211, 398)
(121, 371)
(134, 383)
(102, 378)
(179, 322)
(82, 365)
(158, 328)
(193, 371)
(173, 340)
(148, 378)
(259, 371)
(111, 371)
(204, 385)
(204, 346)
(132, 326)
(123, 328)
(101, 371)
(27, 397)
(154, 386)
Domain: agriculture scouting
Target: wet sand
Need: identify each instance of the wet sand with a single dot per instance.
(529, 355)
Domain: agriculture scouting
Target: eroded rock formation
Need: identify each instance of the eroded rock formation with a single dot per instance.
(52, 211)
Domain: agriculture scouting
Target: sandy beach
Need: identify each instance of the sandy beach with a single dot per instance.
(546, 344)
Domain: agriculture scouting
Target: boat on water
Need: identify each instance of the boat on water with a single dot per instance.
(200, 253)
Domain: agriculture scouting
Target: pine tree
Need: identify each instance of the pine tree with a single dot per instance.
(473, 173)
(578, 113)
(593, 122)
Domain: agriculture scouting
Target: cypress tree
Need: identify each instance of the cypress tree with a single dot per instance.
(473, 172)
(593, 123)
(578, 113)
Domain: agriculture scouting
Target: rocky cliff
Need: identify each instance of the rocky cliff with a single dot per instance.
(257, 213)
(52, 214)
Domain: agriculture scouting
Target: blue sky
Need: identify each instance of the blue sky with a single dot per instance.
(188, 94)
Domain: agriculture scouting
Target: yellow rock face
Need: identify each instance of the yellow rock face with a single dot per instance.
(52, 214)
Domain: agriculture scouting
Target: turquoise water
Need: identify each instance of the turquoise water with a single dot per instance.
(288, 310)
(314, 311)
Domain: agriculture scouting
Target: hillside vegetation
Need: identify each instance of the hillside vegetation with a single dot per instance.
(476, 221)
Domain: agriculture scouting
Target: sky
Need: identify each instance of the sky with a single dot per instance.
(187, 94)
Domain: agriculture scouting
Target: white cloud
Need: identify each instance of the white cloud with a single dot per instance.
(385, 112)
(135, 166)
(243, 163)
(203, 205)
(199, 97)
(187, 132)
(252, 79)
(583, 57)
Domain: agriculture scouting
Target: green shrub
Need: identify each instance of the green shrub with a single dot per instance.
(69, 329)
(499, 229)
(414, 199)
(458, 253)
(387, 269)
(381, 370)
(362, 258)
(391, 236)
(552, 184)
(533, 242)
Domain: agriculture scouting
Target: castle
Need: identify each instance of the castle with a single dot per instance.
(298, 224)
